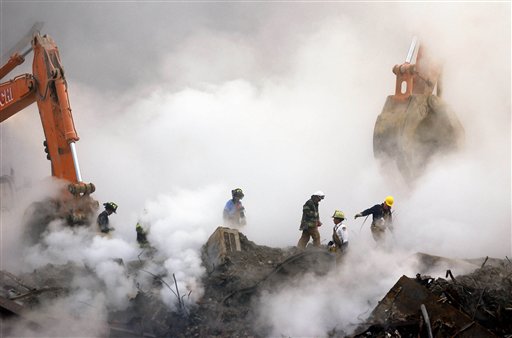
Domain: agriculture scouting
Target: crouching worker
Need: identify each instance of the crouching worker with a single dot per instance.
(339, 243)
(102, 220)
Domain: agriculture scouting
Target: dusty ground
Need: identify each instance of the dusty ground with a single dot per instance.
(232, 287)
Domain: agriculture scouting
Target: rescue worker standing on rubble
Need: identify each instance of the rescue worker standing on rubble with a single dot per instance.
(102, 220)
(339, 243)
(381, 218)
(310, 221)
(234, 211)
(141, 235)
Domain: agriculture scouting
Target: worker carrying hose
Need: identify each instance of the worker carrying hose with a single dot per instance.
(381, 218)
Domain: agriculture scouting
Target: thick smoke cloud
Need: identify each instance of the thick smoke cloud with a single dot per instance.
(179, 224)
(312, 306)
(177, 104)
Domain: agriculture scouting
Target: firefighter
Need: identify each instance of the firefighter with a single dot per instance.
(234, 211)
(102, 220)
(381, 218)
(141, 235)
(310, 221)
(339, 242)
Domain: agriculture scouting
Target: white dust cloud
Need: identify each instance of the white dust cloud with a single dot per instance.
(178, 225)
(311, 306)
(85, 248)
(68, 316)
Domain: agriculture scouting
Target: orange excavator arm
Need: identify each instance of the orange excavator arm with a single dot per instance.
(48, 88)
(16, 95)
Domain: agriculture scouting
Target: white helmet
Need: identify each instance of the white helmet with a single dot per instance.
(319, 193)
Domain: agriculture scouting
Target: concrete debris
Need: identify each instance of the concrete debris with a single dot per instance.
(474, 305)
(222, 242)
(399, 314)
(9, 307)
(238, 271)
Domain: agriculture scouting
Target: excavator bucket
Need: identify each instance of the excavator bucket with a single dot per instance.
(415, 124)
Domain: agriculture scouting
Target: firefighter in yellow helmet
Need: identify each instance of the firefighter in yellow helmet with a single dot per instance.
(339, 243)
(339, 232)
(381, 218)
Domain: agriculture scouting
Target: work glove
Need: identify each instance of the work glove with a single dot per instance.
(330, 243)
(358, 215)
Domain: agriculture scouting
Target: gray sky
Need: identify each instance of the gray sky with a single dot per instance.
(117, 45)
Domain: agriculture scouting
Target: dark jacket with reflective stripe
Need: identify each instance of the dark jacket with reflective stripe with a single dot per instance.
(377, 212)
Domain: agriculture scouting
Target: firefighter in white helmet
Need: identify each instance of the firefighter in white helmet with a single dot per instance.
(310, 221)
(381, 218)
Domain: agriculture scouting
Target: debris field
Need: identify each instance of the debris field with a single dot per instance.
(478, 304)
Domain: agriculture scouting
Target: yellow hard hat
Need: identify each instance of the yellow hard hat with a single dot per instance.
(338, 214)
(389, 201)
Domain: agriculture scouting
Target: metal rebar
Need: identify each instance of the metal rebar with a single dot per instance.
(486, 258)
(478, 304)
(427, 320)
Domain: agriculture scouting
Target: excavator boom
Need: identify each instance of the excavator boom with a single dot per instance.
(47, 87)
(54, 108)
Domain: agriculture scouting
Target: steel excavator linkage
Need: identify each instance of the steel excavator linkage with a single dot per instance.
(47, 87)
(416, 124)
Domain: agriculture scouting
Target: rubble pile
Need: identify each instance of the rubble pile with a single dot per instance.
(485, 295)
(23, 298)
(232, 286)
(30, 289)
(478, 304)
(238, 271)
